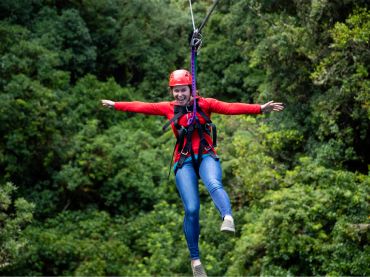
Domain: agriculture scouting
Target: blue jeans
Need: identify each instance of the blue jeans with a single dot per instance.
(187, 185)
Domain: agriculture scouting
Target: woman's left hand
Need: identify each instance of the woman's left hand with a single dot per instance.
(272, 106)
(108, 103)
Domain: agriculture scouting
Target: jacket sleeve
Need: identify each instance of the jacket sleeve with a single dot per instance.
(221, 107)
(143, 107)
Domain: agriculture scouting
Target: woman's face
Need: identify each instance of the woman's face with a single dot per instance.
(181, 94)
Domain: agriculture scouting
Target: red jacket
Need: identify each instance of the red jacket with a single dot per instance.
(208, 105)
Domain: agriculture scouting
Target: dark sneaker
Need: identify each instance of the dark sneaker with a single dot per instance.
(228, 226)
(198, 271)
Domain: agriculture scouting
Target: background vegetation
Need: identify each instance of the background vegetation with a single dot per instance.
(84, 190)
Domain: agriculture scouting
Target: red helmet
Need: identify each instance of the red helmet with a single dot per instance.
(180, 77)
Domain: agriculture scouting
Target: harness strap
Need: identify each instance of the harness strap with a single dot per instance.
(209, 123)
(173, 155)
(203, 144)
(179, 144)
(180, 139)
(187, 148)
(173, 119)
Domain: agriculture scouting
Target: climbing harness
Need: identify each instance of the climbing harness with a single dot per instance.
(184, 137)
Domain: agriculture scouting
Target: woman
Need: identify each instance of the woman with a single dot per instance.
(195, 156)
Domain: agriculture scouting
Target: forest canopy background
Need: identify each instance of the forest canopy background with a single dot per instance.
(84, 190)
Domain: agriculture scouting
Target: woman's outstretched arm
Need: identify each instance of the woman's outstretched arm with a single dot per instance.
(160, 108)
(221, 107)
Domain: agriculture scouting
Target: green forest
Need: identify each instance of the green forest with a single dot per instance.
(84, 190)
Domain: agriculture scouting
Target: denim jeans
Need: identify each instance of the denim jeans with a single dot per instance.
(187, 184)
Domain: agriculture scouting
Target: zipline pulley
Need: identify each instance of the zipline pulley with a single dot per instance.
(196, 40)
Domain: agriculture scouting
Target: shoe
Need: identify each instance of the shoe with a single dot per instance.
(228, 226)
(198, 271)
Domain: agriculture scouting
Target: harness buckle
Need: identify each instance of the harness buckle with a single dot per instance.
(182, 130)
(208, 148)
(183, 153)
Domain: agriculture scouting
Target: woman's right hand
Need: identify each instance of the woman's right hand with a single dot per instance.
(272, 106)
(107, 103)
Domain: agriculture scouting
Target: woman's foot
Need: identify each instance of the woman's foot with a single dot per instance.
(228, 224)
(198, 270)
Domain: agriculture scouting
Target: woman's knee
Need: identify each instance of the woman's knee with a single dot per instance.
(192, 211)
(213, 185)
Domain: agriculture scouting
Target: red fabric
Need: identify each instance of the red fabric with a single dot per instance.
(208, 105)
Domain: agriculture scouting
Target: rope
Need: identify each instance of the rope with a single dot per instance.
(193, 58)
(193, 84)
(192, 17)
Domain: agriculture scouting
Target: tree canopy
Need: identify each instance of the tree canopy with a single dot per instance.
(85, 190)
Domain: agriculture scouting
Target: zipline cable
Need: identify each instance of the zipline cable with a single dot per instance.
(207, 16)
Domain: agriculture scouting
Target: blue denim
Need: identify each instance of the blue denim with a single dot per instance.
(187, 184)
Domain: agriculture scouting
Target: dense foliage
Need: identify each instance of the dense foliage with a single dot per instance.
(85, 190)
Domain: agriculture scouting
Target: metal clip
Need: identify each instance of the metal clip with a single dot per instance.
(196, 40)
(208, 148)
